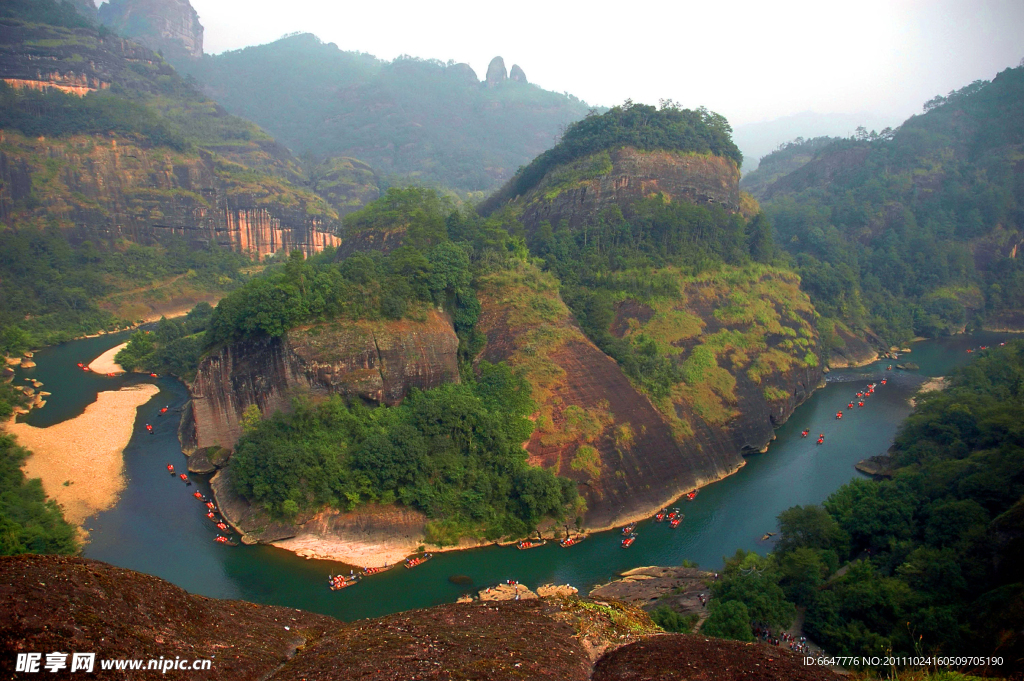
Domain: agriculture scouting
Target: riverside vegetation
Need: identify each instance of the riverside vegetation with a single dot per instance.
(29, 523)
(925, 563)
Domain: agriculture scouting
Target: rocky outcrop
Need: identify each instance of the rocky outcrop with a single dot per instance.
(376, 361)
(73, 604)
(496, 72)
(854, 350)
(56, 603)
(168, 26)
(238, 189)
(108, 189)
(579, 191)
(517, 74)
(370, 536)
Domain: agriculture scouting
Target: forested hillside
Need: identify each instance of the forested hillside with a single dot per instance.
(914, 231)
(124, 191)
(413, 120)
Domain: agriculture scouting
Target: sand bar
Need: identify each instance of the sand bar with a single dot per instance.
(86, 451)
(105, 364)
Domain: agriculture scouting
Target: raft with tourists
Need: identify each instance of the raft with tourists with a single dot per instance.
(530, 544)
(572, 541)
(418, 560)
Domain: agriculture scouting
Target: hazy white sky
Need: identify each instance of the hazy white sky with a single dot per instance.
(750, 61)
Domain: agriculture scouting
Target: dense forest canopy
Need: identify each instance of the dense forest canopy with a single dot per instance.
(645, 127)
(455, 453)
(913, 231)
(51, 290)
(926, 563)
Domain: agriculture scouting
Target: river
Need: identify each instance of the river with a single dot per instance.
(157, 527)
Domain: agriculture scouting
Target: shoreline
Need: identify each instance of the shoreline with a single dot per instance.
(105, 364)
(318, 547)
(81, 460)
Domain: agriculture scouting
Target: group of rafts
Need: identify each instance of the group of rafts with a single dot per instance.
(858, 399)
(673, 516)
(85, 367)
(211, 511)
(336, 582)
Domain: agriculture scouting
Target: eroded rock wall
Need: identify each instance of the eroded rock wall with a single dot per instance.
(103, 189)
(377, 361)
(169, 26)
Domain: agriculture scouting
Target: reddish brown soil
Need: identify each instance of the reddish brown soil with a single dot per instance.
(683, 657)
(51, 603)
(486, 641)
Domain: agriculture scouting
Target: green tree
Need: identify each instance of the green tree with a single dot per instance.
(728, 619)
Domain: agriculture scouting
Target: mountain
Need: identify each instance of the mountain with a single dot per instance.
(757, 140)
(108, 144)
(915, 231)
(170, 27)
(413, 120)
(655, 339)
(782, 161)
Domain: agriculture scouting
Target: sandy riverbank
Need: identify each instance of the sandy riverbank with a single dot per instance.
(365, 553)
(86, 451)
(931, 385)
(105, 364)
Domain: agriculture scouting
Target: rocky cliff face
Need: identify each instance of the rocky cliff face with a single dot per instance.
(631, 454)
(169, 26)
(577, 192)
(377, 361)
(102, 189)
(56, 603)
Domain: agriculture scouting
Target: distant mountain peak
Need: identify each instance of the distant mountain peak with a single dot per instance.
(496, 72)
(169, 26)
(517, 74)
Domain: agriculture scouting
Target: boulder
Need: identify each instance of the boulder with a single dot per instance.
(199, 462)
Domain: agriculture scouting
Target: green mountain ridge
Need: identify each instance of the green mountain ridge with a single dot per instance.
(413, 120)
(913, 231)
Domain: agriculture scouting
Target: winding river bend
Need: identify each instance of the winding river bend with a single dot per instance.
(157, 526)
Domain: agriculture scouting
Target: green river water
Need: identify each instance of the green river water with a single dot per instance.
(157, 526)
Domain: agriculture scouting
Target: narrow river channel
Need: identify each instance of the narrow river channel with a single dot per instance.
(158, 528)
